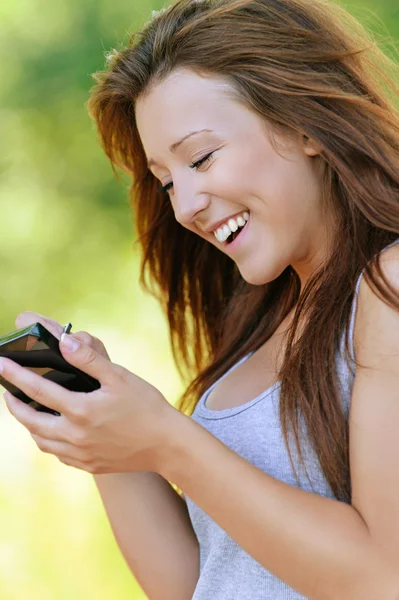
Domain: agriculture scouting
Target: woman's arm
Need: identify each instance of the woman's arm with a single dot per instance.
(152, 527)
(325, 549)
(149, 519)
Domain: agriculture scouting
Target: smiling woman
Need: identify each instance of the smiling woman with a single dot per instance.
(242, 173)
(272, 110)
(263, 146)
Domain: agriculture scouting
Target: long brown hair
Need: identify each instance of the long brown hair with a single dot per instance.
(306, 66)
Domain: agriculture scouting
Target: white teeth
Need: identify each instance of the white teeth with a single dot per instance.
(232, 225)
(226, 231)
(219, 234)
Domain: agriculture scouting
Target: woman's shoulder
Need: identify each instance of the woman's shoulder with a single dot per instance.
(374, 413)
(376, 330)
(389, 258)
(389, 262)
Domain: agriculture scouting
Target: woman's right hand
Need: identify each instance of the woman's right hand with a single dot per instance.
(26, 318)
(125, 425)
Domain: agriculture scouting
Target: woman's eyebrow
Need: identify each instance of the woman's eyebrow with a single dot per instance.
(175, 145)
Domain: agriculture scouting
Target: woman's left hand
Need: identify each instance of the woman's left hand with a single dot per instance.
(126, 425)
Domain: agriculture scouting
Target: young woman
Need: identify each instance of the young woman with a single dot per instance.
(263, 145)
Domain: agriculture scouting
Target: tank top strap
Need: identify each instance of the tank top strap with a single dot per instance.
(214, 384)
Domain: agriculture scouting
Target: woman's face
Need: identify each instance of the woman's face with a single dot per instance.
(243, 177)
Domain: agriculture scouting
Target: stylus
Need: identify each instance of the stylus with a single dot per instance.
(67, 328)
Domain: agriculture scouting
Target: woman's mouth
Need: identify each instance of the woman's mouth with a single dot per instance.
(235, 234)
(231, 230)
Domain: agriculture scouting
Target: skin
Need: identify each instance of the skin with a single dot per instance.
(327, 550)
(245, 172)
(94, 432)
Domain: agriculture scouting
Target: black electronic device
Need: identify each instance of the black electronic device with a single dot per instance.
(37, 349)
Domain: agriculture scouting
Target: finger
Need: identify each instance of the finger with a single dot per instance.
(26, 318)
(67, 454)
(43, 390)
(90, 340)
(38, 423)
(76, 464)
(88, 360)
(57, 447)
(84, 337)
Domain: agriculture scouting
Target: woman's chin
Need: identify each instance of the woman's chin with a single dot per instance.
(255, 278)
(258, 276)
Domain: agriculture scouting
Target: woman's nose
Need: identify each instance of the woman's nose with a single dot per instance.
(188, 207)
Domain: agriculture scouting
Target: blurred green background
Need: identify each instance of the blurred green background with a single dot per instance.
(66, 251)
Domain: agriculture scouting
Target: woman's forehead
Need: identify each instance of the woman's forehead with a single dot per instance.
(184, 90)
(186, 102)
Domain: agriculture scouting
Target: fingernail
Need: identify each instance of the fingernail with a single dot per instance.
(1, 367)
(69, 342)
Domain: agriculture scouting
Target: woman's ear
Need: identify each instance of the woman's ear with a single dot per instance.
(310, 147)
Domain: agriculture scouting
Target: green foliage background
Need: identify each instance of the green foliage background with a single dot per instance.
(66, 251)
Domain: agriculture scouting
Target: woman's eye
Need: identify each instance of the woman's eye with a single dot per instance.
(165, 188)
(201, 161)
(195, 165)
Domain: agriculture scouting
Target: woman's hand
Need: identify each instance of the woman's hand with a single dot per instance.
(126, 425)
(26, 318)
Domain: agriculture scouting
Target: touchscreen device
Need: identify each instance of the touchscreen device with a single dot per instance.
(37, 349)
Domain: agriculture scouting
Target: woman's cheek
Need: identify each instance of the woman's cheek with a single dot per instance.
(228, 180)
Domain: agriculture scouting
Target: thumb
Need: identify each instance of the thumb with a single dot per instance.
(86, 359)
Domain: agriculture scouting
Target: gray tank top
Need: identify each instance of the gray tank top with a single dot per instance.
(252, 430)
